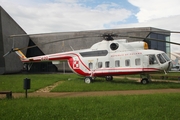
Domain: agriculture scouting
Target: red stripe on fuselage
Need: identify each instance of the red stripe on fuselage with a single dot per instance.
(122, 71)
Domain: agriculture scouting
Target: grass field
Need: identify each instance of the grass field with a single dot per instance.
(169, 76)
(117, 84)
(14, 82)
(73, 82)
(125, 107)
(129, 107)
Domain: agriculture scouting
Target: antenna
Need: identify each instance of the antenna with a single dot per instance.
(71, 48)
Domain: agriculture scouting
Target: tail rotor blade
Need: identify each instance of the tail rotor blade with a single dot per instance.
(6, 54)
(12, 50)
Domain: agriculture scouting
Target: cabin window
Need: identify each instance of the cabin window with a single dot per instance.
(90, 65)
(107, 64)
(127, 62)
(161, 59)
(117, 63)
(100, 64)
(165, 56)
(152, 59)
(137, 61)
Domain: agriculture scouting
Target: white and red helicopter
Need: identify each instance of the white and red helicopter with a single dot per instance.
(108, 58)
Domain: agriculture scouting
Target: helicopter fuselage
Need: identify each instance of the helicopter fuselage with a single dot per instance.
(110, 58)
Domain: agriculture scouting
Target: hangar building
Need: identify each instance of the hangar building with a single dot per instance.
(81, 40)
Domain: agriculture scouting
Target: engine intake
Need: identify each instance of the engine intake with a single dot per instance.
(114, 46)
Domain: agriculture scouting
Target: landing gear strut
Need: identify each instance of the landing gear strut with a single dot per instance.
(145, 78)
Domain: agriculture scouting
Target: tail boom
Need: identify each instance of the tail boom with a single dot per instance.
(44, 58)
(21, 55)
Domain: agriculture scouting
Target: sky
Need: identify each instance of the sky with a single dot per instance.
(46, 16)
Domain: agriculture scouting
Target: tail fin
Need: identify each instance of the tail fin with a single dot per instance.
(20, 54)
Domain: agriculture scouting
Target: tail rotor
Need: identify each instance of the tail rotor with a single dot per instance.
(12, 50)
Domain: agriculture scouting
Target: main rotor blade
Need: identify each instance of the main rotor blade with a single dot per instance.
(158, 31)
(153, 39)
(55, 42)
(53, 33)
(162, 31)
(22, 35)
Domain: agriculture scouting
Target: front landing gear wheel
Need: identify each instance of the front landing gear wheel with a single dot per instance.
(144, 81)
(87, 80)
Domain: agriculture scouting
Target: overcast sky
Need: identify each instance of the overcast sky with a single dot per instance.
(44, 16)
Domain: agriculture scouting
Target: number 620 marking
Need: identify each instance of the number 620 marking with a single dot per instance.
(44, 58)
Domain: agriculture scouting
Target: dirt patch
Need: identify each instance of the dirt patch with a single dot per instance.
(49, 88)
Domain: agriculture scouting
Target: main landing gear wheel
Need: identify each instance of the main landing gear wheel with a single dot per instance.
(144, 81)
(88, 80)
(109, 78)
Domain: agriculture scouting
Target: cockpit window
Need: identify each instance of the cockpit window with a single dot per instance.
(152, 59)
(161, 59)
(165, 56)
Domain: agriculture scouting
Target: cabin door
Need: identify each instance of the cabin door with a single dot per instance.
(149, 62)
(145, 62)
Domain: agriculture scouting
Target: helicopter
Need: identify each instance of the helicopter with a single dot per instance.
(108, 58)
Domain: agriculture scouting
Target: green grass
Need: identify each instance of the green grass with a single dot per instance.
(124, 107)
(129, 107)
(73, 82)
(169, 76)
(15, 82)
(117, 84)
